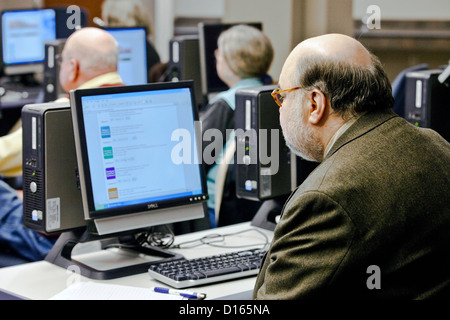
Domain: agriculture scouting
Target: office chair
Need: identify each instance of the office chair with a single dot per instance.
(221, 177)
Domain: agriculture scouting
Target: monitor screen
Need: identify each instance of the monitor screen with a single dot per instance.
(132, 54)
(208, 35)
(24, 34)
(128, 150)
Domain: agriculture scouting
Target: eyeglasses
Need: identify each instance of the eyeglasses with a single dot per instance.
(276, 94)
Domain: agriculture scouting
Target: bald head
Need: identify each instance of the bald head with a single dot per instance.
(96, 50)
(338, 47)
(339, 79)
(329, 47)
(352, 79)
(88, 53)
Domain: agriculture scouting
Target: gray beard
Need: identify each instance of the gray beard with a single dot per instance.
(307, 145)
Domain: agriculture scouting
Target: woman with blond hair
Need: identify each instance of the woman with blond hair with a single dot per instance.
(244, 56)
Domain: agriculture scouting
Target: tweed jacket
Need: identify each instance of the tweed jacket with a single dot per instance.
(372, 221)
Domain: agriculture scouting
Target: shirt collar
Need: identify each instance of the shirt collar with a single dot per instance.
(339, 133)
(104, 79)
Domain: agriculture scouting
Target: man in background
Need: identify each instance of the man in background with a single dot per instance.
(89, 60)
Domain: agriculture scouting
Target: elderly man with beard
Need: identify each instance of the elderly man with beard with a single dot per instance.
(372, 221)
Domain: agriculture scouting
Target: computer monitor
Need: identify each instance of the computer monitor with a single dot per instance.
(132, 175)
(208, 35)
(24, 34)
(132, 53)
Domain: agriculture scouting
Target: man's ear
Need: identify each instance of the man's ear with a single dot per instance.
(317, 106)
(74, 70)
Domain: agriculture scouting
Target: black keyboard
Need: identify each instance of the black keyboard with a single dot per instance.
(186, 273)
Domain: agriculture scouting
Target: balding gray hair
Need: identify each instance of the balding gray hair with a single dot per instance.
(351, 88)
(247, 51)
(95, 49)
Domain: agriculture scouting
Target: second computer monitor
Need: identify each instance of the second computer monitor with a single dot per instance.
(24, 33)
(132, 54)
(208, 35)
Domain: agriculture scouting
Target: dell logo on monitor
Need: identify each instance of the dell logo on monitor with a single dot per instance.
(152, 206)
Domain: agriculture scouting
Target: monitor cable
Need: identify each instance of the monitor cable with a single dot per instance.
(218, 240)
(145, 239)
(157, 238)
(165, 240)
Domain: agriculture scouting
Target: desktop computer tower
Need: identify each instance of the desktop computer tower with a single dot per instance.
(52, 198)
(257, 115)
(427, 101)
(52, 88)
(184, 62)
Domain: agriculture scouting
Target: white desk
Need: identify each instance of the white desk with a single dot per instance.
(42, 280)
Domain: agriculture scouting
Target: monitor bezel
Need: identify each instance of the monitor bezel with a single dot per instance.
(206, 56)
(22, 68)
(83, 161)
(143, 28)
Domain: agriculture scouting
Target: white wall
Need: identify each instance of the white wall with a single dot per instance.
(200, 8)
(19, 4)
(164, 27)
(167, 10)
(276, 17)
(405, 9)
(277, 27)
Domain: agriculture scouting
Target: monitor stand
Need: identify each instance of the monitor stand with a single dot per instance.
(105, 263)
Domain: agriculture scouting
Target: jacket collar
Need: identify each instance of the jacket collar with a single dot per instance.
(364, 124)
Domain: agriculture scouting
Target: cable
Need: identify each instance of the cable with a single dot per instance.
(165, 240)
(213, 239)
(158, 238)
(150, 238)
